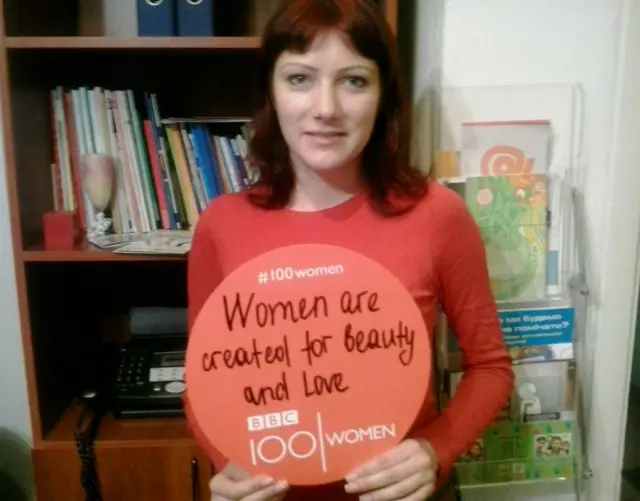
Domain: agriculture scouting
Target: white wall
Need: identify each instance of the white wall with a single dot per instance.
(520, 42)
(15, 424)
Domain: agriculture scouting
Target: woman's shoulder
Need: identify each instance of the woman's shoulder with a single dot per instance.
(229, 207)
(224, 202)
(441, 202)
(443, 218)
(223, 213)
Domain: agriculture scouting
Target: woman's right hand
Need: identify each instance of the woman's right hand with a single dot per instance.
(233, 484)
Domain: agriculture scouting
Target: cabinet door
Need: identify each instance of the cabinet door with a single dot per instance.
(57, 474)
(150, 473)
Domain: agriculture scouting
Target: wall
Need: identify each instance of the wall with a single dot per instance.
(15, 424)
(519, 42)
(635, 367)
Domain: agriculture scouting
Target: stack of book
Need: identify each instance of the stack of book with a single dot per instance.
(167, 171)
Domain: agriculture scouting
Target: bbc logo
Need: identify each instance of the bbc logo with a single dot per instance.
(273, 420)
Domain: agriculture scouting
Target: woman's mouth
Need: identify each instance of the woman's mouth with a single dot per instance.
(326, 138)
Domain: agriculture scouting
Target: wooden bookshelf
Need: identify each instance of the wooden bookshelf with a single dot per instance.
(121, 433)
(87, 253)
(73, 303)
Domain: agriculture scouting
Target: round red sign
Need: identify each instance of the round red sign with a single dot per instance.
(306, 362)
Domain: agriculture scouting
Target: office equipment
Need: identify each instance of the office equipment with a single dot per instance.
(150, 378)
(195, 18)
(156, 18)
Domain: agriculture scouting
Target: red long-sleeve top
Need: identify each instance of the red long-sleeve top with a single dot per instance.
(435, 250)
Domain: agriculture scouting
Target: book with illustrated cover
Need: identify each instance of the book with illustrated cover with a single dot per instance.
(532, 335)
(511, 212)
(519, 148)
(539, 334)
(510, 452)
(505, 148)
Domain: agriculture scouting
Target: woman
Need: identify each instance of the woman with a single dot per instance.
(331, 146)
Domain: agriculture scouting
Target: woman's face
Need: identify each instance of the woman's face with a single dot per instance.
(326, 101)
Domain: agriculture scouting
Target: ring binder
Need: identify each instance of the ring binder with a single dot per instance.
(156, 18)
(195, 18)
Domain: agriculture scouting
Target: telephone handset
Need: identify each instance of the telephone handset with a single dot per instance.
(95, 402)
(92, 413)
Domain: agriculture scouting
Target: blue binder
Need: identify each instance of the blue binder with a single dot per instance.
(195, 18)
(156, 18)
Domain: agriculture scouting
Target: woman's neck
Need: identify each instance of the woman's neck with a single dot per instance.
(315, 191)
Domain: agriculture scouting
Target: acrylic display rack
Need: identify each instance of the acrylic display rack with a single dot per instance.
(532, 224)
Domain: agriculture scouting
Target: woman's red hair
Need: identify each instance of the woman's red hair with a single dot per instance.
(386, 169)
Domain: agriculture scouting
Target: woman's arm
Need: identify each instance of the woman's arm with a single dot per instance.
(203, 276)
(460, 267)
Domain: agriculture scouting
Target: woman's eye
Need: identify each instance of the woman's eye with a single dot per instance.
(297, 79)
(357, 82)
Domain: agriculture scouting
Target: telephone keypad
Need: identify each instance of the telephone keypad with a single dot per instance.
(132, 371)
(135, 372)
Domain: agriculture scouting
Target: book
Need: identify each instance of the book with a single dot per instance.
(531, 335)
(539, 334)
(509, 452)
(511, 212)
(516, 148)
(505, 148)
(168, 242)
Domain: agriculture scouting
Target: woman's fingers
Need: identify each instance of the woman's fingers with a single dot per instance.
(224, 487)
(269, 493)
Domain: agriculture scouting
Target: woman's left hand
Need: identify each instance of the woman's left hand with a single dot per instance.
(408, 472)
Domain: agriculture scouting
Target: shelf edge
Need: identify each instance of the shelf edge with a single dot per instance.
(132, 43)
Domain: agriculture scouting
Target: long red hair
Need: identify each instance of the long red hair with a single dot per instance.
(393, 185)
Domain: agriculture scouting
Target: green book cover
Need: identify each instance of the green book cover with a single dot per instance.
(511, 212)
(520, 452)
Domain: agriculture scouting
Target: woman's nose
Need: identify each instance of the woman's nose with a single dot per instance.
(326, 103)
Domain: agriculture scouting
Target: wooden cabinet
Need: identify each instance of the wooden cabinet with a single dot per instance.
(140, 473)
(138, 459)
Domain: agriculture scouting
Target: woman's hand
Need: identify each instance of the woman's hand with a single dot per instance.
(233, 484)
(408, 472)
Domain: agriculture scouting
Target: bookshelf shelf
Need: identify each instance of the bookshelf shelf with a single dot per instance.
(87, 253)
(121, 433)
(132, 43)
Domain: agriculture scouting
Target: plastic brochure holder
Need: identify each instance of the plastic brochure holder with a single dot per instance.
(512, 154)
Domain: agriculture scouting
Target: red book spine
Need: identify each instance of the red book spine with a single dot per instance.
(157, 175)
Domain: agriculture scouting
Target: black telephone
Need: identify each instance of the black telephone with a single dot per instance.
(150, 378)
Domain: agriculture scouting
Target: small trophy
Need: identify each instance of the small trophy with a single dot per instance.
(98, 175)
